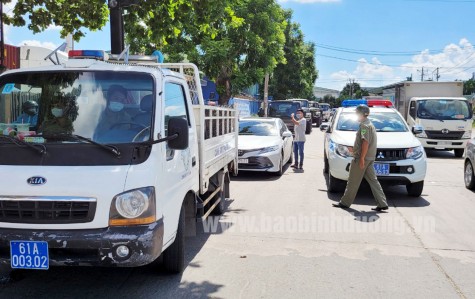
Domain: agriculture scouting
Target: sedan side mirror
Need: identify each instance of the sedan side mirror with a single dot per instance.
(417, 130)
(178, 126)
(286, 134)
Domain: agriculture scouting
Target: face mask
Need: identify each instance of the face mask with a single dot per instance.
(116, 106)
(57, 112)
(299, 116)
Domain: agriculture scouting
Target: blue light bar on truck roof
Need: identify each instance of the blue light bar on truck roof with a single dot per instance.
(353, 103)
(82, 54)
(369, 103)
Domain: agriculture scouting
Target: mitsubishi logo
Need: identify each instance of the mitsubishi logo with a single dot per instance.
(445, 131)
(380, 155)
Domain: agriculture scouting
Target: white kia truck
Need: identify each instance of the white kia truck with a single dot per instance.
(439, 108)
(111, 162)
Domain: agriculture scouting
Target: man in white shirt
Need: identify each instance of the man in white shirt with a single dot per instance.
(299, 140)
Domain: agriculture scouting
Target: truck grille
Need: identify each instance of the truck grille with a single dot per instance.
(46, 211)
(390, 154)
(450, 135)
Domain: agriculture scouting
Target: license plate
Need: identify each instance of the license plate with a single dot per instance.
(29, 255)
(243, 161)
(444, 143)
(381, 169)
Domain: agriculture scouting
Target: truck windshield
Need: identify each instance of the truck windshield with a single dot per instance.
(103, 106)
(258, 128)
(443, 109)
(383, 122)
(283, 109)
(324, 107)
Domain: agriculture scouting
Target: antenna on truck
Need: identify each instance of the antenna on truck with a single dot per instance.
(61, 48)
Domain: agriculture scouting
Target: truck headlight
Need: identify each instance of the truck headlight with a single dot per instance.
(134, 207)
(415, 152)
(308, 115)
(269, 149)
(344, 151)
(422, 135)
(467, 135)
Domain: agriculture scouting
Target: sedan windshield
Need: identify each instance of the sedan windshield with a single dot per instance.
(443, 109)
(257, 128)
(383, 122)
(102, 106)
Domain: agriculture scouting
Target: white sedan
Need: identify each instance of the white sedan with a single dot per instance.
(265, 144)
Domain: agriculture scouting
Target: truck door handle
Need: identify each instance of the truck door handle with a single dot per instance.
(193, 161)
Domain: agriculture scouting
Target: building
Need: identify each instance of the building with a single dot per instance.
(320, 92)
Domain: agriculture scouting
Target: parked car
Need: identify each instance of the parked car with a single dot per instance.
(305, 106)
(283, 110)
(469, 170)
(265, 144)
(400, 160)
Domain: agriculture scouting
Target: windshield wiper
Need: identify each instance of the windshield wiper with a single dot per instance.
(107, 147)
(18, 142)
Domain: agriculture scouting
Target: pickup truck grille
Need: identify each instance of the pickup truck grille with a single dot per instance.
(390, 154)
(450, 135)
(44, 211)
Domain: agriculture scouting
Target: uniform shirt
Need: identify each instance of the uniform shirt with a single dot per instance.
(300, 130)
(27, 119)
(366, 132)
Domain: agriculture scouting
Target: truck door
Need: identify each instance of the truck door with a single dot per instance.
(411, 118)
(179, 165)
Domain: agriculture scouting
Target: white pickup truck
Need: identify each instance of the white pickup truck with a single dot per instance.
(107, 163)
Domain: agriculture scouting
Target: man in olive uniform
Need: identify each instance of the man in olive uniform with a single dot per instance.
(362, 166)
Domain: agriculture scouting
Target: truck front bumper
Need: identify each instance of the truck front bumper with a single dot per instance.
(92, 247)
(444, 144)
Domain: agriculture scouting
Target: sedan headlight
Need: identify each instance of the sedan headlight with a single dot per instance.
(415, 152)
(133, 207)
(422, 135)
(344, 151)
(467, 135)
(269, 149)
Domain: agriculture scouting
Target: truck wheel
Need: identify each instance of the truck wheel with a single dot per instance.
(220, 208)
(415, 189)
(326, 165)
(334, 184)
(308, 129)
(174, 256)
(469, 176)
(459, 152)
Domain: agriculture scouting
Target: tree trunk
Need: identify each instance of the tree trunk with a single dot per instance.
(224, 86)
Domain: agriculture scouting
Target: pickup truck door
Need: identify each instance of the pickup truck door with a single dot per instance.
(179, 165)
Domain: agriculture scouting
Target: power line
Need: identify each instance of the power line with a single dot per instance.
(377, 53)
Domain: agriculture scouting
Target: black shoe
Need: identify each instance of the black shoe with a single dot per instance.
(339, 205)
(294, 166)
(300, 166)
(378, 209)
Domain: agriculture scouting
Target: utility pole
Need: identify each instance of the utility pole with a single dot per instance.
(266, 94)
(437, 76)
(117, 23)
(352, 84)
(2, 41)
(422, 74)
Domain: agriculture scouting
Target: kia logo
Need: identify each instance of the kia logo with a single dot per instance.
(36, 181)
(445, 131)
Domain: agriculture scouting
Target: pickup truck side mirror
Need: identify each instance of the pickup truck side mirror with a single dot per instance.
(324, 127)
(417, 130)
(178, 126)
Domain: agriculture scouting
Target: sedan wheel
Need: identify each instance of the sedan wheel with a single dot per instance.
(469, 176)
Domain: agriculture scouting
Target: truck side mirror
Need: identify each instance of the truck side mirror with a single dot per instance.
(324, 127)
(417, 130)
(178, 126)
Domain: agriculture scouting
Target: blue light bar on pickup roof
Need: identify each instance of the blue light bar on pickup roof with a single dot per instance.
(82, 54)
(369, 103)
(354, 103)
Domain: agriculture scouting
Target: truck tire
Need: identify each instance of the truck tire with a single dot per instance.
(459, 152)
(308, 129)
(415, 189)
(469, 175)
(174, 256)
(221, 207)
(334, 184)
(326, 165)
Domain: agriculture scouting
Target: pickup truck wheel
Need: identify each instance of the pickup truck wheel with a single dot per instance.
(326, 165)
(334, 184)
(174, 256)
(415, 189)
(469, 175)
(459, 152)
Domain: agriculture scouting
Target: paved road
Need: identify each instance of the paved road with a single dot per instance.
(280, 238)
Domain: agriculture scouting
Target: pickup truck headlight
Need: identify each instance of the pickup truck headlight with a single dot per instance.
(344, 151)
(467, 135)
(415, 152)
(422, 135)
(269, 149)
(134, 207)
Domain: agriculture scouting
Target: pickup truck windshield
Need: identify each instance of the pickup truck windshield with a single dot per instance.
(258, 128)
(443, 109)
(324, 107)
(383, 122)
(283, 109)
(103, 106)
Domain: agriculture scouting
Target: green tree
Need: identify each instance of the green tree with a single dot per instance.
(296, 77)
(469, 87)
(353, 91)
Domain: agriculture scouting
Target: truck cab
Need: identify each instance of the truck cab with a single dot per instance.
(121, 160)
(447, 122)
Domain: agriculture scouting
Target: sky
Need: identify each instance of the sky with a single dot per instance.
(374, 42)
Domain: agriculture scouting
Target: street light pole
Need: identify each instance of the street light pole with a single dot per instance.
(116, 27)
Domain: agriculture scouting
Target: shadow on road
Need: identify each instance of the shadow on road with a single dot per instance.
(249, 176)
(441, 154)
